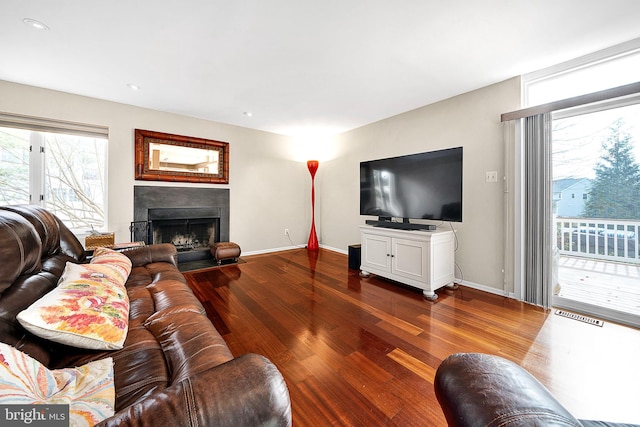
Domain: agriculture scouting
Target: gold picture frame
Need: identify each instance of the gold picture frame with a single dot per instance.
(176, 158)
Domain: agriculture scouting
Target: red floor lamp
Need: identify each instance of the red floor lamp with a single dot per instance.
(312, 244)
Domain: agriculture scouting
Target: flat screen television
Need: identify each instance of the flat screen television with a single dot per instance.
(417, 186)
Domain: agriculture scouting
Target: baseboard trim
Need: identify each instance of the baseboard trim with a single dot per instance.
(330, 248)
(288, 248)
(268, 251)
(486, 288)
(473, 285)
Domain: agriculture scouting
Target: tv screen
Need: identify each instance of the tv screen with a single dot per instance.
(417, 186)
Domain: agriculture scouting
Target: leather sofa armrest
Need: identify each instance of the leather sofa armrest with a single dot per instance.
(246, 391)
(483, 390)
(161, 252)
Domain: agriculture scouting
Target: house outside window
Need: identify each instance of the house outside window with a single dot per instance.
(59, 166)
(570, 206)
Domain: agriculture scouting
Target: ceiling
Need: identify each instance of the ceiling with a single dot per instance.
(299, 67)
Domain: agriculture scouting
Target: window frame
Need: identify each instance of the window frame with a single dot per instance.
(37, 165)
(630, 48)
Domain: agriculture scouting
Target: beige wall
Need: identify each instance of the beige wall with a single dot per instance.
(270, 187)
(268, 190)
(471, 120)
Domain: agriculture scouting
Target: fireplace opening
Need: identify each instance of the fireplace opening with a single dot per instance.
(192, 230)
(186, 234)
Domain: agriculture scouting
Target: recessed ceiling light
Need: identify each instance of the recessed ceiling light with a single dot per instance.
(133, 87)
(35, 24)
(248, 113)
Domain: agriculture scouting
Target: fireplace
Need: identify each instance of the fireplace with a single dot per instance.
(188, 229)
(185, 234)
(192, 219)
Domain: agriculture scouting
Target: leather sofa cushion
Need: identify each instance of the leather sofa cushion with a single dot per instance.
(166, 322)
(45, 224)
(20, 248)
(34, 249)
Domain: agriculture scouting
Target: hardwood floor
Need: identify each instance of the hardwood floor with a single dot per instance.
(363, 351)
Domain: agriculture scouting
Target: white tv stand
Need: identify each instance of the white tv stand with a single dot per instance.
(423, 259)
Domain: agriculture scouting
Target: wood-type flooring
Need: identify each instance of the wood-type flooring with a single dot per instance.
(363, 351)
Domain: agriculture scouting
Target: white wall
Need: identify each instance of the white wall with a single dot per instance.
(470, 120)
(268, 188)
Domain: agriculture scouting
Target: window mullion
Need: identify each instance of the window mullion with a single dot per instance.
(36, 168)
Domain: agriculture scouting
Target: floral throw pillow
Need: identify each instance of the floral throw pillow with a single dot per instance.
(88, 390)
(118, 261)
(88, 309)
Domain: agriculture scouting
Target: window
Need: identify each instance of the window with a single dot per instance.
(615, 66)
(58, 165)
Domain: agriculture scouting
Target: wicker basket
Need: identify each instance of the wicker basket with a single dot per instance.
(99, 240)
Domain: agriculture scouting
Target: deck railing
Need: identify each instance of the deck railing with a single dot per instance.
(614, 240)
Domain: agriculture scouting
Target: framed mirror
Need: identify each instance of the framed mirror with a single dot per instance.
(166, 157)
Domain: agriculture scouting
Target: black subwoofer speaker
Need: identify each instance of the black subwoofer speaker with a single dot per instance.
(354, 257)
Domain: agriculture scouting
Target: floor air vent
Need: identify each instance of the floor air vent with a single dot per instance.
(580, 317)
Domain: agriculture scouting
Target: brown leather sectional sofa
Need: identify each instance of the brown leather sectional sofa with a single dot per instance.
(481, 390)
(174, 369)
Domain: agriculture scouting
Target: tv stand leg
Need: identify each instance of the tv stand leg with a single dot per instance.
(364, 273)
(430, 295)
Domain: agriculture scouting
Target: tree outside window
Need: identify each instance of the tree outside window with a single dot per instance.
(63, 172)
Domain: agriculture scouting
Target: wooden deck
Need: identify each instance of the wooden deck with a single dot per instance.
(611, 285)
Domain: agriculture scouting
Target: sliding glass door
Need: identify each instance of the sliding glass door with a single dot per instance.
(596, 210)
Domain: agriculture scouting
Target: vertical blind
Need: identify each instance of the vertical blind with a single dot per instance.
(538, 251)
